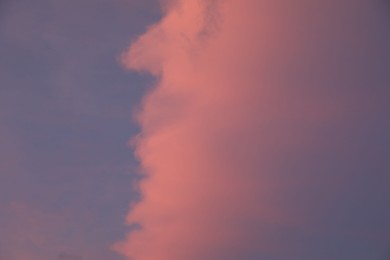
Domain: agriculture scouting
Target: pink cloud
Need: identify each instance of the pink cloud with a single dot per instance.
(243, 94)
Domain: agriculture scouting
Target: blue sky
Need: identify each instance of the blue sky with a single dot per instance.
(65, 119)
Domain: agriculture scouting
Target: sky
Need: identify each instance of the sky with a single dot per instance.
(65, 121)
(194, 130)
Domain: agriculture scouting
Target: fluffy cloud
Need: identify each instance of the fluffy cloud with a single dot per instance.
(257, 141)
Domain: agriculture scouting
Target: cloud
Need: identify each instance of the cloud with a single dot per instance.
(251, 143)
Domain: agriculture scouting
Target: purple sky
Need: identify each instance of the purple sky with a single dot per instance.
(65, 118)
(66, 107)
